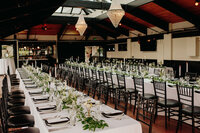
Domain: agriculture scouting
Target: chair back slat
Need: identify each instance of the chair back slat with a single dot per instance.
(121, 81)
(109, 78)
(139, 85)
(160, 89)
(101, 76)
(185, 95)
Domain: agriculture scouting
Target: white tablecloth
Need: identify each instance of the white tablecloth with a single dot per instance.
(148, 88)
(5, 63)
(125, 125)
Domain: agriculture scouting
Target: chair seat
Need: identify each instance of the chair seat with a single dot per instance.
(21, 121)
(130, 90)
(170, 103)
(19, 110)
(16, 91)
(16, 96)
(28, 130)
(16, 102)
(149, 96)
(113, 87)
(188, 110)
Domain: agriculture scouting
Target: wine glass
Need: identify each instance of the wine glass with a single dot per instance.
(187, 78)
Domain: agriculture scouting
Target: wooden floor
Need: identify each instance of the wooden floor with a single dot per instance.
(159, 126)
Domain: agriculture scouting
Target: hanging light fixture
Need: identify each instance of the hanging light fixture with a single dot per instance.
(115, 13)
(197, 2)
(81, 25)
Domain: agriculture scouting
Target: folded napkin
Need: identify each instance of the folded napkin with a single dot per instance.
(40, 98)
(35, 92)
(31, 86)
(193, 82)
(47, 107)
(26, 79)
(112, 114)
(56, 120)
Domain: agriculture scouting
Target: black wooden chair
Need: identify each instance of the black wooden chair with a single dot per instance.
(18, 121)
(187, 111)
(128, 93)
(163, 103)
(102, 91)
(110, 86)
(139, 87)
(146, 111)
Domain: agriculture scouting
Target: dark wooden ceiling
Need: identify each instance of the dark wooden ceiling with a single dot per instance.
(139, 16)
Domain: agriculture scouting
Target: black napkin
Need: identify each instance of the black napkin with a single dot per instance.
(56, 120)
(170, 85)
(40, 99)
(108, 115)
(50, 107)
(35, 93)
(32, 86)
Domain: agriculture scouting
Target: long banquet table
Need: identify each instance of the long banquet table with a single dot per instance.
(125, 124)
(148, 88)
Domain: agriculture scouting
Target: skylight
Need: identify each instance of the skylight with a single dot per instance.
(91, 13)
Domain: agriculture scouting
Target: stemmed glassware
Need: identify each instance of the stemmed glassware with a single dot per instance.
(187, 78)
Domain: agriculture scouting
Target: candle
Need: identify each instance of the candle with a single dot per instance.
(186, 66)
(65, 83)
(179, 70)
(49, 74)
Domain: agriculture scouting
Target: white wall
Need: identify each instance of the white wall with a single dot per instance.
(179, 49)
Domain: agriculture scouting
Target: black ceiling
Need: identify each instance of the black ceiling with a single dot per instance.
(18, 15)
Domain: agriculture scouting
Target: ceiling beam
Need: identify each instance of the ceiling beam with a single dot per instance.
(99, 31)
(100, 5)
(119, 30)
(27, 9)
(179, 11)
(61, 31)
(103, 30)
(17, 24)
(65, 20)
(87, 33)
(149, 18)
(134, 25)
(28, 33)
(91, 21)
(86, 4)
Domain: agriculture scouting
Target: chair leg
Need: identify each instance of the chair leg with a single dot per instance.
(193, 126)
(179, 120)
(126, 102)
(156, 113)
(130, 99)
(106, 96)
(135, 104)
(168, 114)
(165, 117)
(116, 100)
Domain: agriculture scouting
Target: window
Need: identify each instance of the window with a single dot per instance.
(122, 47)
(111, 47)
